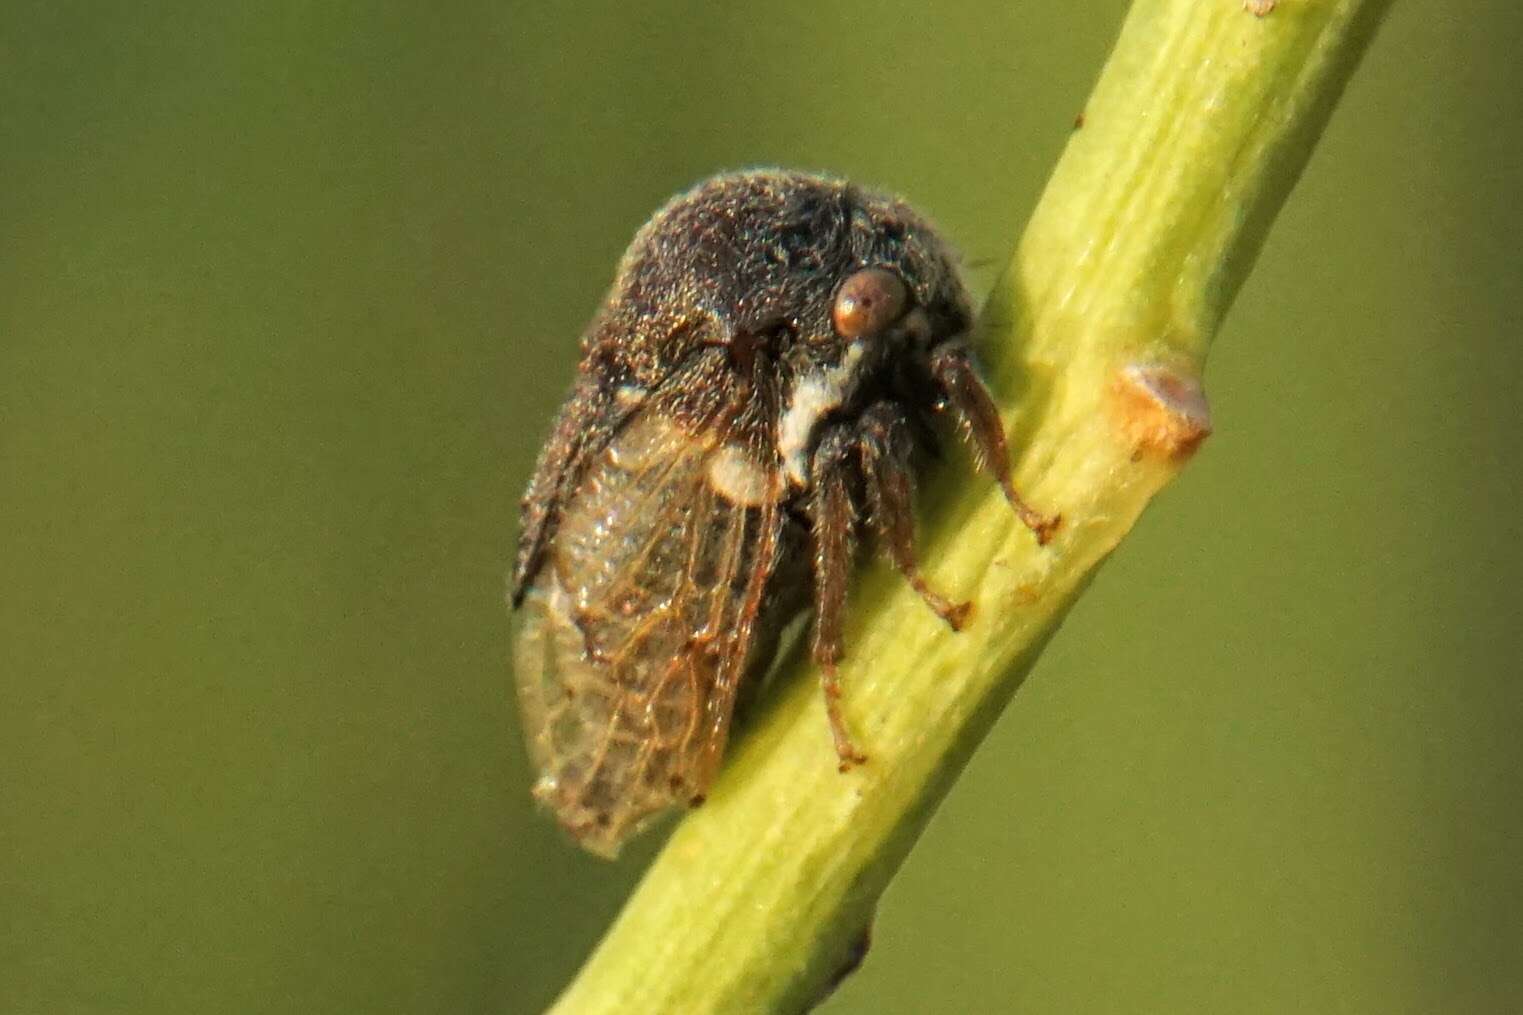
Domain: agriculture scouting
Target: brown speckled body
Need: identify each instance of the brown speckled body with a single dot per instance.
(749, 397)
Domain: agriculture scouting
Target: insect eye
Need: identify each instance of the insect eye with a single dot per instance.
(868, 301)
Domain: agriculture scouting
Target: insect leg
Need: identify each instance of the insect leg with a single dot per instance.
(834, 523)
(969, 399)
(886, 445)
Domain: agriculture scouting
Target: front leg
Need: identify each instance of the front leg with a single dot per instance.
(833, 520)
(968, 398)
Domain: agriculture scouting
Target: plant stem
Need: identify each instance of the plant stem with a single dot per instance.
(1095, 337)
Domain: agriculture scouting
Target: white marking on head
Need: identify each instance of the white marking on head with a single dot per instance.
(739, 480)
(814, 395)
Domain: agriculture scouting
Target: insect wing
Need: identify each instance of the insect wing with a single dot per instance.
(637, 626)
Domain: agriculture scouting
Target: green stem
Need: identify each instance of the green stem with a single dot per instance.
(1095, 337)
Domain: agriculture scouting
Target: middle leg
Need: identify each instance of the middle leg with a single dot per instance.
(886, 445)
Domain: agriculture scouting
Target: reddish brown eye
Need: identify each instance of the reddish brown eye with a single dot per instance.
(868, 301)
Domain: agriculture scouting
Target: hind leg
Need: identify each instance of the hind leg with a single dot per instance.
(834, 521)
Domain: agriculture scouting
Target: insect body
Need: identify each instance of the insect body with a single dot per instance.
(751, 397)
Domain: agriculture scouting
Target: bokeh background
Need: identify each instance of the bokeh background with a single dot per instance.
(288, 293)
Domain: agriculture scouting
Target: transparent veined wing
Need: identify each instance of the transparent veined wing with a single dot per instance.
(639, 621)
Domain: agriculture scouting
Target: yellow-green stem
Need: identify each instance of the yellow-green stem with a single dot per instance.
(1094, 338)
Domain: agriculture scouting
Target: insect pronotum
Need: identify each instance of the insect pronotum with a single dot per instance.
(752, 397)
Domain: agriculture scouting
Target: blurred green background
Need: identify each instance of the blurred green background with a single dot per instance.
(288, 293)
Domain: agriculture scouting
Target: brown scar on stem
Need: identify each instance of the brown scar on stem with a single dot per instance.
(1160, 409)
(1259, 8)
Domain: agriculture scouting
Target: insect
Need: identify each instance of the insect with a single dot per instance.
(752, 398)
